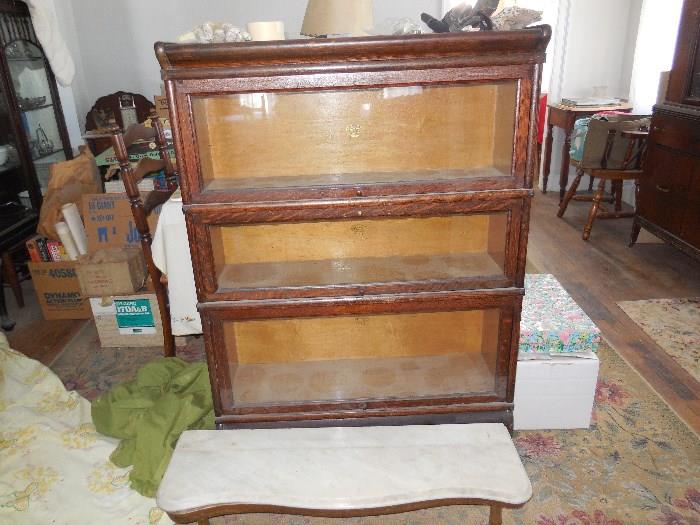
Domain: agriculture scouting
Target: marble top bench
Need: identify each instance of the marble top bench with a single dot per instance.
(342, 472)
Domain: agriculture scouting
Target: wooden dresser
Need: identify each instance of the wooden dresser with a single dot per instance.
(358, 212)
(668, 199)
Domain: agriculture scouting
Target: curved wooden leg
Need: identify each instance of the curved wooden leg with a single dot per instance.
(594, 209)
(495, 516)
(570, 193)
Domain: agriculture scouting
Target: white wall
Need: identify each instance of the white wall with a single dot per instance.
(113, 43)
(655, 47)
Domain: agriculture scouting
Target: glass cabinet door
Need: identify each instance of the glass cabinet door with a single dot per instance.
(37, 107)
(387, 135)
(695, 77)
(14, 180)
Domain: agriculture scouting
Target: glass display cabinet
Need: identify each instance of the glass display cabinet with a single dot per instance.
(32, 130)
(358, 214)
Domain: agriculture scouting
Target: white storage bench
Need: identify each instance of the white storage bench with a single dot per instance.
(342, 471)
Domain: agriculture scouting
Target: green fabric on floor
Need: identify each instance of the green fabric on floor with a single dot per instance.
(149, 413)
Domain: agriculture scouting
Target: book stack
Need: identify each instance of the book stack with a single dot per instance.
(42, 249)
(590, 102)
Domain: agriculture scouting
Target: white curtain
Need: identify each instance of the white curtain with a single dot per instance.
(656, 43)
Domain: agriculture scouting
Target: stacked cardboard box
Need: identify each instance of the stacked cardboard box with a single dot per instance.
(113, 274)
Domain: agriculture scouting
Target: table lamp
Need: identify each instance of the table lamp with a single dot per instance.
(337, 17)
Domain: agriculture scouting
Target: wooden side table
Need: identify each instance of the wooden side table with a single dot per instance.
(564, 117)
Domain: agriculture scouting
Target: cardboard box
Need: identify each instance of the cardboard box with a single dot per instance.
(58, 290)
(161, 103)
(556, 393)
(112, 271)
(128, 320)
(109, 222)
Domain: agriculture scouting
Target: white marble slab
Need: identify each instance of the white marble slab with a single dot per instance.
(343, 468)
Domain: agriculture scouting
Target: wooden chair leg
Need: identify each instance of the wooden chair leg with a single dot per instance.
(495, 516)
(8, 268)
(590, 183)
(617, 192)
(5, 322)
(594, 209)
(636, 228)
(570, 193)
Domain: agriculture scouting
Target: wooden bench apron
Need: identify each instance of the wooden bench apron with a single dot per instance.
(342, 471)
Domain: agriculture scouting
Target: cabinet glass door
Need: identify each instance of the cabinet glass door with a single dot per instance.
(28, 71)
(695, 77)
(256, 141)
(363, 357)
(14, 182)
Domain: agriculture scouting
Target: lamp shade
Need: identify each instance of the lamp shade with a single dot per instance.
(337, 17)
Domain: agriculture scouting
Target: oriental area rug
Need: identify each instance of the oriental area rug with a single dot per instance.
(674, 325)
(638, 464)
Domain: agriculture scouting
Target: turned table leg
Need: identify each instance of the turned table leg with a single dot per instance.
(565, 160)
(547, 157)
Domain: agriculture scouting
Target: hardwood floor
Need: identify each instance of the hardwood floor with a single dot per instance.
(597, 274)
(603, 271)
(33, 336)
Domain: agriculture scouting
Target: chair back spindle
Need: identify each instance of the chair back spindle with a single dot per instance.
(140, 210)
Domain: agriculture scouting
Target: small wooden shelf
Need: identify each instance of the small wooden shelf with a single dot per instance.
(361, 270)
(348, 379)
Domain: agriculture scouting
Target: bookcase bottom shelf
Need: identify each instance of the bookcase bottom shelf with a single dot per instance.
(362, 270)
(373, 378)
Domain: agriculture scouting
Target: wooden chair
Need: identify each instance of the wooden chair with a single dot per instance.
(131, 177)
(613, 151)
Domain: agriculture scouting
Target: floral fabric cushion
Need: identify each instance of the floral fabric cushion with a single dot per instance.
(551, 322)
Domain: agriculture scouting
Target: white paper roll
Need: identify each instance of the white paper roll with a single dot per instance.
(75, 225)
(67, 240)
(266, 30)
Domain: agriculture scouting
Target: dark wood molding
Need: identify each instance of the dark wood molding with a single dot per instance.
(483, 48)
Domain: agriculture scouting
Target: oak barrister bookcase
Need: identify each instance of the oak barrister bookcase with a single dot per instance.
(358, 215)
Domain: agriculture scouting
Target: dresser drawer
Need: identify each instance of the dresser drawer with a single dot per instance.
(676, 132)
(690, 231)
(411, 244)
(663, 190)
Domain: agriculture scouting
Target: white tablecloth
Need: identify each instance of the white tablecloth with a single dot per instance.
(171, 253)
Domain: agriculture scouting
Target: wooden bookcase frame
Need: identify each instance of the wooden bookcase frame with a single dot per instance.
(192, 71)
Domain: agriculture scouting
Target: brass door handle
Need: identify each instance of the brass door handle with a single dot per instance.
(662, 189)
